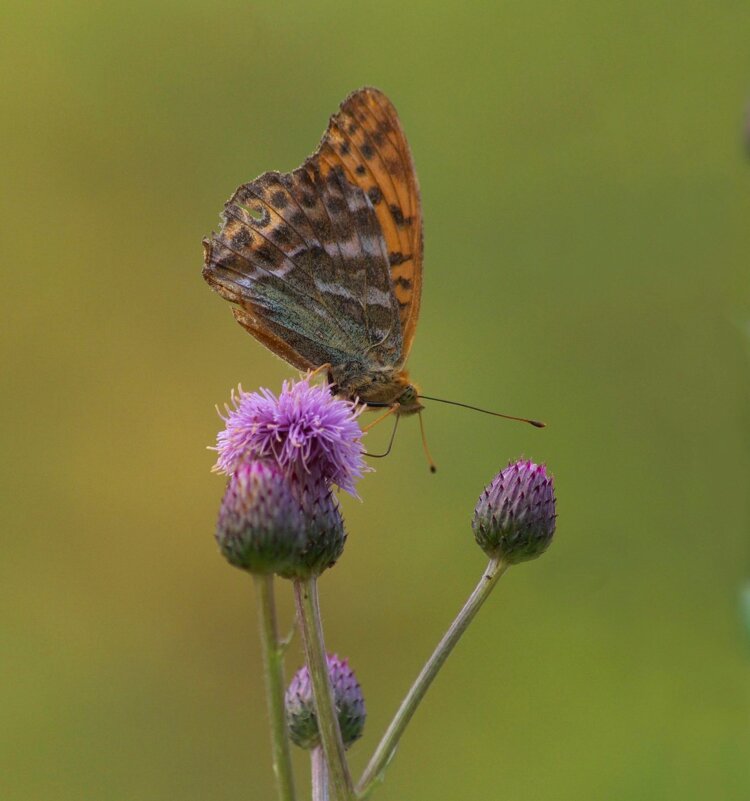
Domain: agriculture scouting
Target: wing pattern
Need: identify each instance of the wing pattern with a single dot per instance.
(324, 263)
(366, 139)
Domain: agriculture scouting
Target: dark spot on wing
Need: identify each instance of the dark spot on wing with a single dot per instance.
(405, 283)
(367, 150)
(317, 253)
(397, 257)
(398, 215)
(378, 138)
(336, 204)
(282, 234)
(360, 169)
(352, 128)
(265, 252)
(241, 239)
(363, 218)
(375, 195)
(307, 200)
(344, 148)
(278, 199)
(337, 171)
(297, 218)
(243, 196)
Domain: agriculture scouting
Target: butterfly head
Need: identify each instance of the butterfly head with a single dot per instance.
(408, 400)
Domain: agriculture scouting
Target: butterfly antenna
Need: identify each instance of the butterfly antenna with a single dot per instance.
(433, 466)
(535, 423)
(390, 444)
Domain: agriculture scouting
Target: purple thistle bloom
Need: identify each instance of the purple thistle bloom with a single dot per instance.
(347, 698)
(306, 430)
(514, 519)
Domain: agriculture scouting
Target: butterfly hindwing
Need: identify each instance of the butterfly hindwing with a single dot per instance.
(303, 257)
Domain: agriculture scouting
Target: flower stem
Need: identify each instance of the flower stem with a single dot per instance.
(308, 612)
(386, 748)
(319, 775)
(274, 674)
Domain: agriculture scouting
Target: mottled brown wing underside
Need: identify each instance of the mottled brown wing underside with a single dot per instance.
(324, 263)
(366, 139)
(302, 256)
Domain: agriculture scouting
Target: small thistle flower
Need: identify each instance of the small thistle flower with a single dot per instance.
(514, 519)
(306, 430)
(347, 697)
(261, 527)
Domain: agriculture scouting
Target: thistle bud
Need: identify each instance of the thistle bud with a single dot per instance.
(514, 519)
(261, 528)
(347, 698)
(324, 529)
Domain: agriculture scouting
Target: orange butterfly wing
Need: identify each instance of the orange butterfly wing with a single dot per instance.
(365, 138)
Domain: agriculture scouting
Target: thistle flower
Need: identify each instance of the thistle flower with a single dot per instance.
(347, 697)
(306, 430)
(261, 526)
(514, 519)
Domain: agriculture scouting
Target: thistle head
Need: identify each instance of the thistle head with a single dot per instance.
(514, 519)
(268, 523)
(348, 701)
(325, 534)
(307, 431)
(261, 527)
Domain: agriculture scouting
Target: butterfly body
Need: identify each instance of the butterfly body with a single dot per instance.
(377, 387)
(324, 264)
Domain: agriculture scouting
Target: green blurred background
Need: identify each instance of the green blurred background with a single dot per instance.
(586, 218)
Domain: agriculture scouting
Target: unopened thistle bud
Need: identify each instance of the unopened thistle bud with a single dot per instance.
(347, 698)
(514, 519)
(324, 529)
(261, 527)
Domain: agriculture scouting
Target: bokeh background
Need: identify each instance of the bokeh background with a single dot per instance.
(586, 212)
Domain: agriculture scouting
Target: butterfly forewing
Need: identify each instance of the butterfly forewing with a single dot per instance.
(367, 140)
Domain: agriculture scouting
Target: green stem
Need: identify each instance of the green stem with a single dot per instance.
(387, 746)
(308, 612)
(273, 663)
(319, 775)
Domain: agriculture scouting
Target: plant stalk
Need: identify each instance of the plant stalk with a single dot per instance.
(308, 612)
(386, 748)
(319, 774)
(273, 664)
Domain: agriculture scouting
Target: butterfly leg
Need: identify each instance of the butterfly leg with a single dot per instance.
(318, 370)
(392, 410)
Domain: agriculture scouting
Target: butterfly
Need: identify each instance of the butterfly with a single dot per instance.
(324, 264)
